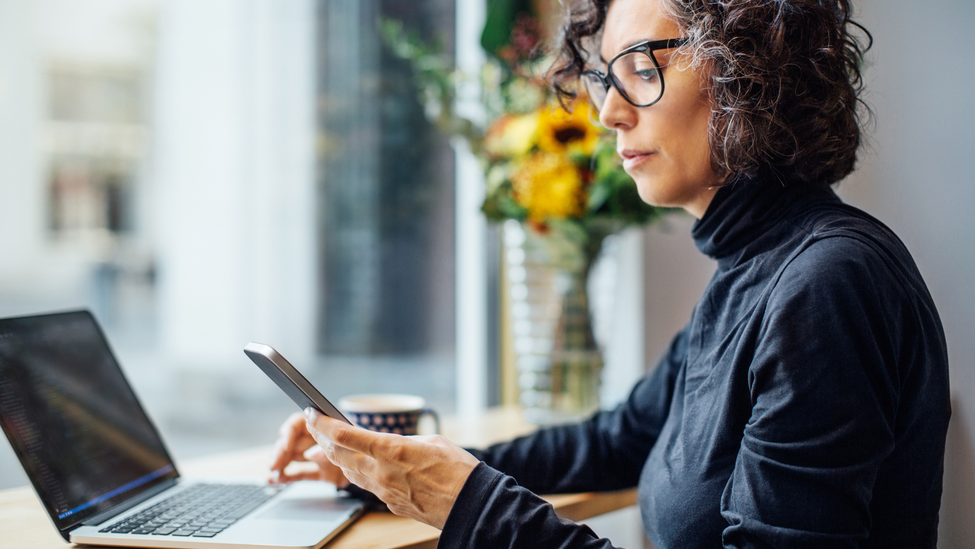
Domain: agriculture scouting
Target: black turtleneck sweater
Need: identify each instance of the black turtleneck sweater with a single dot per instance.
(805, 404)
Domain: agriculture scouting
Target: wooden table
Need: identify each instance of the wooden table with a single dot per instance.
(25, 525)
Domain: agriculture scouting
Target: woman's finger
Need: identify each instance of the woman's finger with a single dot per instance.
(347, 459)
(286, 478)
(418, 477)
(360, 469)
(282, 454)
(289, 427)
(344, 435)
(293, 439)
(292, 430)
(328, 471)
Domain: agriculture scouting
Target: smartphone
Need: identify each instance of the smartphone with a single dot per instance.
(290, 380)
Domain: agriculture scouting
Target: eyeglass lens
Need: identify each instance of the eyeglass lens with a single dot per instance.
(636, 76)
(595, 89)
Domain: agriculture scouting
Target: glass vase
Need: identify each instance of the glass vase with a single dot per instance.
(558, 361)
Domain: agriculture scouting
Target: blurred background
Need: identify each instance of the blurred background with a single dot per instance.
(201, 175)
(205, 173)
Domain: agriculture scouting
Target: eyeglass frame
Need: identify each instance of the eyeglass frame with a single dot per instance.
(608, 80)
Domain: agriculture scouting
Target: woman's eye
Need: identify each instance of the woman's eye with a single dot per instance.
(647, 75)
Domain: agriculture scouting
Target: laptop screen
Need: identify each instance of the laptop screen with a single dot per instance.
(71, 417)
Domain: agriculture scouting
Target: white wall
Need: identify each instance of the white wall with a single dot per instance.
(38, 271)
(918, 176)
(470, 275)
(920, 179)
(235, 123)
(22, 208)
(616, 286)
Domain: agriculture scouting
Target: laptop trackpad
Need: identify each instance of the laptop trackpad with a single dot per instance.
(308, 509)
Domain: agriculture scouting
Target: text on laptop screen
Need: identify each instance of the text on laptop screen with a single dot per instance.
(72, 418)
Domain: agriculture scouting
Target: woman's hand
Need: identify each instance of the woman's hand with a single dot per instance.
(416, 476)
(295, 444)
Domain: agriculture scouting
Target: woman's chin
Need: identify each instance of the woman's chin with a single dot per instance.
(647, 195)
(692, 197)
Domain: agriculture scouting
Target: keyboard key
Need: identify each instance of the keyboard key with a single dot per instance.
(205, 509)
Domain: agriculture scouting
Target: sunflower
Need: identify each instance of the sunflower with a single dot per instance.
(563, 132)
(548, 185)
(512, 135)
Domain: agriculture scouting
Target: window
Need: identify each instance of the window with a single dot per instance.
(204, 174)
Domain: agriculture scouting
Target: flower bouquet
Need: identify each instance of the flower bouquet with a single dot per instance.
(554, 176)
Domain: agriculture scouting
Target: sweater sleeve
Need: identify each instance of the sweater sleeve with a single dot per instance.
(824, 386)
(492, 511)
(606, 452)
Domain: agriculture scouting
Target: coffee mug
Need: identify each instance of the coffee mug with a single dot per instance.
(387, 413)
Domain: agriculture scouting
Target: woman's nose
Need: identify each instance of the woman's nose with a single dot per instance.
(616, 112)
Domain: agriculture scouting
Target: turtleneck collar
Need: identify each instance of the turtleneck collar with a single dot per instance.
(743, 210)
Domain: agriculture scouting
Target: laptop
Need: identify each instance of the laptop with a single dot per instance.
(101, 469)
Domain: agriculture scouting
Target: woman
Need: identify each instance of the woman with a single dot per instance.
(805, 404)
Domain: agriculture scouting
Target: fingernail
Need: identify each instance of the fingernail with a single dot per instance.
(309, 413)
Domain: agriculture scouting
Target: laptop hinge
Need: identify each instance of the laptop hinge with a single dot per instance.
(129, 503)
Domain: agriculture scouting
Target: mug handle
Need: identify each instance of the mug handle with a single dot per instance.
(436, 418)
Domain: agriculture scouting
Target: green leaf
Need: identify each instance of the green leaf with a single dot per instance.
(599, 192)
(501, 16)
(571, 229)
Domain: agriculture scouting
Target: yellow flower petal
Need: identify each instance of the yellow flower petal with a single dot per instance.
(548, 185)
(567, 133)
(512, 135)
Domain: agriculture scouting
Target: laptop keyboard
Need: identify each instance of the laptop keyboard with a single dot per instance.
(202, 510)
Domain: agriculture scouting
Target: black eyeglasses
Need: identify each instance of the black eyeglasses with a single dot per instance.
(634, 72)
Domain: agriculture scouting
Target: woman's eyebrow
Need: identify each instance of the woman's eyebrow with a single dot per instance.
(637, 41)
(626, 47)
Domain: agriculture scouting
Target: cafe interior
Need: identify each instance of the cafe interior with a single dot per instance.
(200, 174)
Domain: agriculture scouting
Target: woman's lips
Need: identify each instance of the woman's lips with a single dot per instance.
(632, 159)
